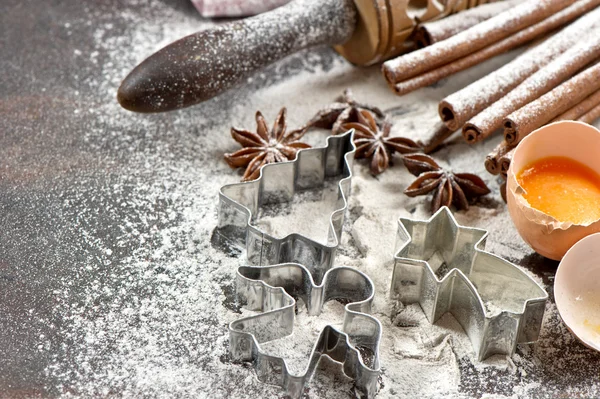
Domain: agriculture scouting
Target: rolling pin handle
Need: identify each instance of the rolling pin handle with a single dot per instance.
(207, 63)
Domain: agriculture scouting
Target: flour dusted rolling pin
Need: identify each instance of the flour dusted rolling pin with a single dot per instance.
(205, 64)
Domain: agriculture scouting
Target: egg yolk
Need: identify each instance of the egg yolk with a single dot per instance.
(562, 188)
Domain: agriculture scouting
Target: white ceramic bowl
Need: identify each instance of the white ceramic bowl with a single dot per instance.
(577, 290)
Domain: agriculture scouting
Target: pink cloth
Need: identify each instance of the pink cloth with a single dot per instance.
(235, 8)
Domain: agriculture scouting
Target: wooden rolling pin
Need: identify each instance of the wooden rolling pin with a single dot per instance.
(205, 64)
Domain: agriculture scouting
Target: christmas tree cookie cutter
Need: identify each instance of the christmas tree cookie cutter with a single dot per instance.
(271, 290)
(278, 182)
(443, 267)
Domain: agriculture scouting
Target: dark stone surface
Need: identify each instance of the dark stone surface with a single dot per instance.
(72, 176)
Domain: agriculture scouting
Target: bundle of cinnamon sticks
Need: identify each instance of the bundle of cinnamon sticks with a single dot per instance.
(557, 78)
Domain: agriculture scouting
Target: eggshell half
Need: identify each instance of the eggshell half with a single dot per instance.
(546, 235)
(577, 290)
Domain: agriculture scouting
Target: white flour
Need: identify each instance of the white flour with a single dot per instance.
(153, 319)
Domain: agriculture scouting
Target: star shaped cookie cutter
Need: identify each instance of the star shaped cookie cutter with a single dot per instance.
(278, 182)
(271, 290)
(443, 267)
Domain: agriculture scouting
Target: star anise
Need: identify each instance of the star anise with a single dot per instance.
(372, 141)
(265, 146)
(447, 187)
(343, 110)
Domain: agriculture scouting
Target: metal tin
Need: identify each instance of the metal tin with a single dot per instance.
(272, 289)
(239, 203)
(443, 266)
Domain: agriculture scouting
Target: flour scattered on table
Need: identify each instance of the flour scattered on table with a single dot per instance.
(146, 314)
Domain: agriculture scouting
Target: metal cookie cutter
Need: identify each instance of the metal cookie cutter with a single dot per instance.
(272, 289)
(443, 266)
(239, 203)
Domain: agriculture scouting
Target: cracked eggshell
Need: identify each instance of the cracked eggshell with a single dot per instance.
(577, 290)
(546, 235)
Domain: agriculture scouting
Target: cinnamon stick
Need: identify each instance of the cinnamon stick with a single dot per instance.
(591, 115)
(515, 40)
(545, 79)
(477, 37)
(441, 133)
(461, 106)
(541, 111)
(580, 109)
(503, 189)
(505, 161)
(493, 159)
(431, 32)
